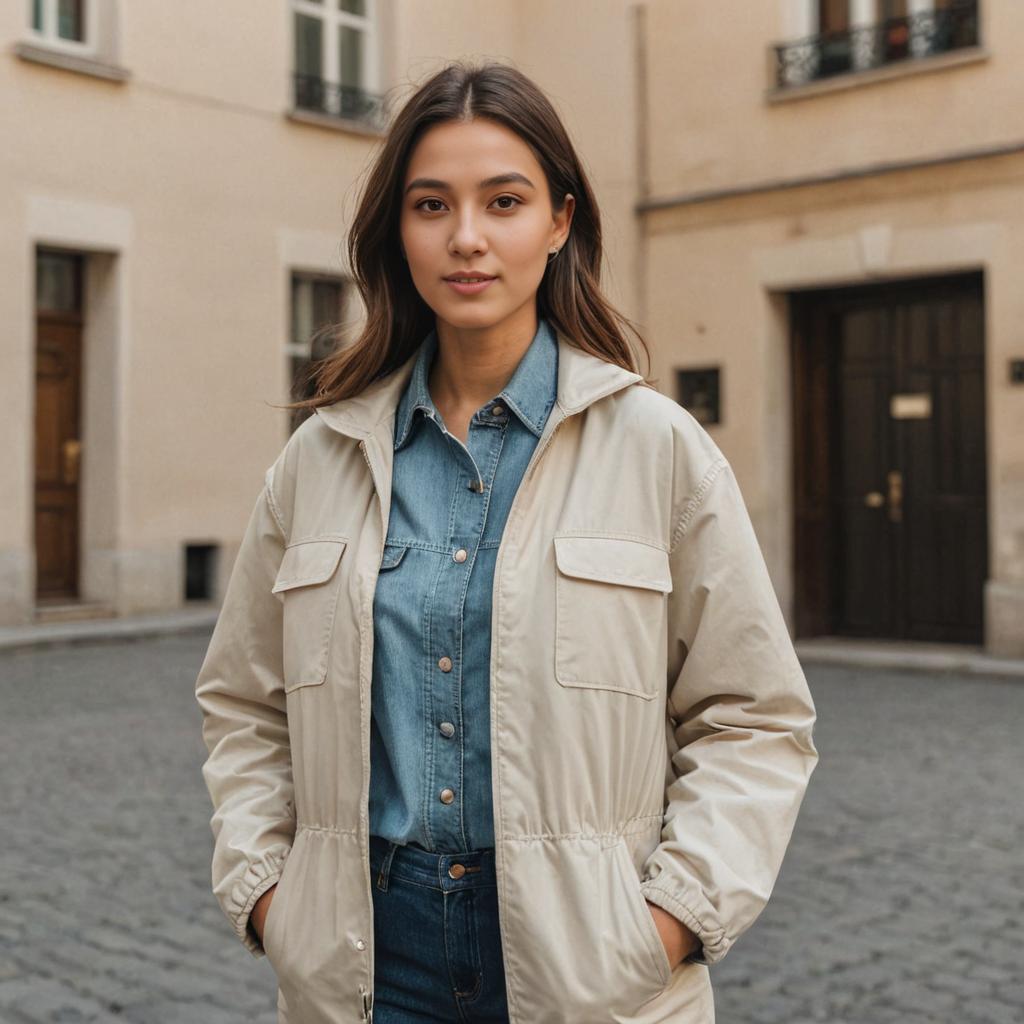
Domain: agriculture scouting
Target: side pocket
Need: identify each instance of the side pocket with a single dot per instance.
(269, 941)
(658, 958)
(309, 584)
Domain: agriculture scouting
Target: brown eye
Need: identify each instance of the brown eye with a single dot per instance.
(514, 200)
(422, 201)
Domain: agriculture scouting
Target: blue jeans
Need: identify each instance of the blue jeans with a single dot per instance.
(437, 941)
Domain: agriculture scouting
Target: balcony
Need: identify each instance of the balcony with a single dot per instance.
(867, 47)
(342, 103)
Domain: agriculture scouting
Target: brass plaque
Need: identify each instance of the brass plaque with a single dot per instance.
(916, 406)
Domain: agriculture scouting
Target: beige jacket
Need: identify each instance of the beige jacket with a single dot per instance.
(651, 728)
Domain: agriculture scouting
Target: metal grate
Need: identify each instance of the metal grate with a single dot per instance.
(910, 37)
(342, 101)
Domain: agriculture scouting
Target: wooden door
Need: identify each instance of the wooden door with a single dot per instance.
(57, 422)
(891, 516)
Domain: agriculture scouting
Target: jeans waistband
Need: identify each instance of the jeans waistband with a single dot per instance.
(444, 871)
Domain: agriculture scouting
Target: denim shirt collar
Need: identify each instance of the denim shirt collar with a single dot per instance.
(529, 393)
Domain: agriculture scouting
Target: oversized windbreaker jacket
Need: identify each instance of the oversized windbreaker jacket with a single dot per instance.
(651, 727)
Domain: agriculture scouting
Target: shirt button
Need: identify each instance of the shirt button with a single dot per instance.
(447, 729)
(360, 944)
(445, 664)
(447, 796)
(460, 555)
(497, 410)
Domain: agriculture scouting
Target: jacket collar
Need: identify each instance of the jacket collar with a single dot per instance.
(528, 392)
(582, 379)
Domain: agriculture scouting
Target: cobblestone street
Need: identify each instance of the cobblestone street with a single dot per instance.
(901, 898)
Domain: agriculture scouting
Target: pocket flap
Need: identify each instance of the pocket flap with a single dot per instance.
(614, 560)
(306, 562)
(393, 554)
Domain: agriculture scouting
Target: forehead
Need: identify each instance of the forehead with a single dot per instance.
(464, 152)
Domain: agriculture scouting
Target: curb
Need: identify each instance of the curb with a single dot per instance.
(874, 654)
(128, 627)
(910, 656)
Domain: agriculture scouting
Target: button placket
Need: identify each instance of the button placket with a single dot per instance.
(468, 524)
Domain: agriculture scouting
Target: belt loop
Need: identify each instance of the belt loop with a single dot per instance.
(385, 867)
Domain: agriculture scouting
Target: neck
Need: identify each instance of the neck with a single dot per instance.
(473, 364)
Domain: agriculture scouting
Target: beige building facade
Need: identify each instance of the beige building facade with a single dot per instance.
(173, 215)
(812, 208)
(832, 207)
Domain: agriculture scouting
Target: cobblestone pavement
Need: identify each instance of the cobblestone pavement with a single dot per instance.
(901, 897)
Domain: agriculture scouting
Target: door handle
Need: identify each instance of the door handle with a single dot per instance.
(70, 451)
(895, 478)
(874, 499)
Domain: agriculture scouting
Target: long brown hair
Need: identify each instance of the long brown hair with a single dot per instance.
(398, 319)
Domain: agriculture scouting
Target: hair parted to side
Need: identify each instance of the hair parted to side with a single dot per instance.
(397, 318)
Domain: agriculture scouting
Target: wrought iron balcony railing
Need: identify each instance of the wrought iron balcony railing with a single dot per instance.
(341, 101)
(923, 34)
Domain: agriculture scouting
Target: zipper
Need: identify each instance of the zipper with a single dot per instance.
(366, 994)
(527, 476)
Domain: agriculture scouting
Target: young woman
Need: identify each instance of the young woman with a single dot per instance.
(504, 722)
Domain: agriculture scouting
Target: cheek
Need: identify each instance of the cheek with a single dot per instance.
(523, 246)
(415, 240)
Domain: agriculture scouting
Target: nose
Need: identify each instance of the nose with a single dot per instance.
(467, 238)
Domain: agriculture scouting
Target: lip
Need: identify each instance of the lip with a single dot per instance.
(470, 289)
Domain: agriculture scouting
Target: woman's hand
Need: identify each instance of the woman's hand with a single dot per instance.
(678, 940)
(259, 911)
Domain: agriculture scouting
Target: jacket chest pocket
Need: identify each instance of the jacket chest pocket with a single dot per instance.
(309, 584)
(611, 614)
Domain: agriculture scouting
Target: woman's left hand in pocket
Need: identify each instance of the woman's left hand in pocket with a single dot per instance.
(678, 940)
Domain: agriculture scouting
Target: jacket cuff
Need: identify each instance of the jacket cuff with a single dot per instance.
(259, 876)
(714, 942)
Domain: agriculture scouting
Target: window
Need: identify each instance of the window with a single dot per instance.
(833, 15)
(75, 35)
(200, 571)
(336, 58)
(316, 312)
(834, 36)
(65, 24)
(857, 35)
(58, 281)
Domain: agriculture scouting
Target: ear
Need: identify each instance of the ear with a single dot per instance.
(563, 219)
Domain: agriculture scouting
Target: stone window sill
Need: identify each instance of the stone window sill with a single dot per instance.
(40, 54)
(898, 69)
(338, 124)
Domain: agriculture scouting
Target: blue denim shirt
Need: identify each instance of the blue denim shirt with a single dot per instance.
(430, 739)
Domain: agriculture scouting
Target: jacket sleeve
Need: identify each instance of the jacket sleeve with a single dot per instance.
(741, 716)
(245, 727)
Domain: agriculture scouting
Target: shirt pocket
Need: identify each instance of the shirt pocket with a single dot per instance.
(393, 554)
(309, 584)
(611, 621)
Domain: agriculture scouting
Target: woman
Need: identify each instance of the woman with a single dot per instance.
(503, 717)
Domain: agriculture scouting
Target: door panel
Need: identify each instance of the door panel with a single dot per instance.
(57, 417)
(904, 549)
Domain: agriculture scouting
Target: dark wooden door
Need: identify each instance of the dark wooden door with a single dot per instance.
(57, 420)
(891, 537)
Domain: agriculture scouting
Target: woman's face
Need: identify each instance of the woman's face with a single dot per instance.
(454, 219)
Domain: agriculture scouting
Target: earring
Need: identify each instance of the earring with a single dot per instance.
(552, 253)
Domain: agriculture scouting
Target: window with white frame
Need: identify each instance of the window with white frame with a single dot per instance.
(835, 37)
(335, 55)
(65, 24)
(317, 304)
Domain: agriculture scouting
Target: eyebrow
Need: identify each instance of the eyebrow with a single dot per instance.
(512, 177)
